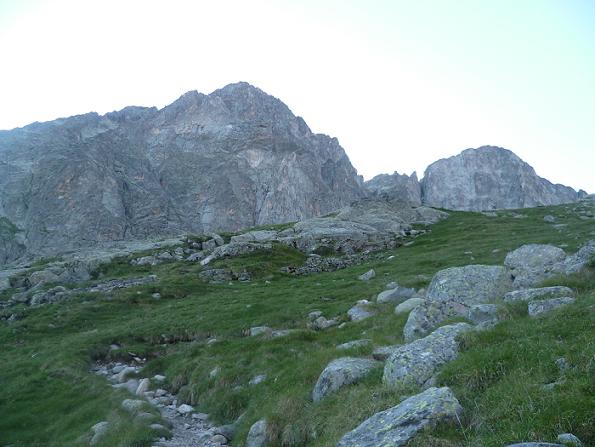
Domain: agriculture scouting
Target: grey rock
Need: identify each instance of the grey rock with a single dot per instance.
(396, 187)
(321, 323)
(408, 305)
(131, 385)
(471, 284)
(260, 330)
(562, 364)
(489, 178)
(396, 295)
(219, 439)
(417, 362)
(549, 218)
(398, 425)
(391, 285)
(42, 277)
(98, 431)
(483, 315)
(360, 311)
(384, 352)
(533, 263)
(314, 315)
(354, 344)
(133, 405)
(541, 292)
(184, 409)
(255, 236)
(579, 260)
(257, 379)
(341, 372)
(235, 249)
(424, 318)
(257, 436)
(228, 430)
(367, 276)
(539, 307)
(209, 245)
(569, 439)
(143, 386)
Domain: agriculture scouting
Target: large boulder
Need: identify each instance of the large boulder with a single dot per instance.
(581, 259)
(416, 363)
(396, 426)
(471, 284)
(531, 264)
(341, 372)
(408, 305)
(257, 436)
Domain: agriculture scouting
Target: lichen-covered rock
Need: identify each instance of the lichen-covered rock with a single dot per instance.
(531, 264)
(408, 305)
(235, 249)
(471, 284)
(579, 260)
(425, 317)
(569, 440)
(417, 362)
(257, 436)
(398, 425)
(483, 315)
(384, 352)
(539, 307)
(341, 372)
(541, 292)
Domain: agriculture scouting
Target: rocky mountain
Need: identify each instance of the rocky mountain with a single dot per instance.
(232, 159)
(479, 179)
(397, 187)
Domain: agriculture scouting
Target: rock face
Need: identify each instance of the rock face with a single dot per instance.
(396, 187)
(232, 159)
(489, 178)
(397, 425)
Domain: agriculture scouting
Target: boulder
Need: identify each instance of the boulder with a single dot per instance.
(260, 330)
(581, 259)
(541, 292)
(257, 436)
(396, 426)
(354, 344)
(360, 311)
(98, 431)
(408, 305)
(235, 249)
(424, 318)
(184, 409)
(133, 405)
(568, 439)
(367, 276)
(321, 323)
(416, 363)
(42, 277)
(396, 295)
(471, 284)
(531, 264)
(539, 307)
(384, 352)
(483, 315)
(341, 372)
(143, 387)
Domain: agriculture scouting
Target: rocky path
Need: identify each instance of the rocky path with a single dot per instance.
(187, 427)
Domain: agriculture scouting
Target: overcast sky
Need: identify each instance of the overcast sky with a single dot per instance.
(399, 83)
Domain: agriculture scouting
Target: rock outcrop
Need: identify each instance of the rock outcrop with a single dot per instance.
(396, 187)
(489, 178)
(232, 159)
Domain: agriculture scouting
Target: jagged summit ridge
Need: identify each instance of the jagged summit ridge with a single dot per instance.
(232, 159)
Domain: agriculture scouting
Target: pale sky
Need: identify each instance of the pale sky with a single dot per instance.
(400, 83)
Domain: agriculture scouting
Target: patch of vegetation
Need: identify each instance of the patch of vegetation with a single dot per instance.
(49, 398)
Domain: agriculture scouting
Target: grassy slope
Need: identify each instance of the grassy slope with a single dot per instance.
(49, 399)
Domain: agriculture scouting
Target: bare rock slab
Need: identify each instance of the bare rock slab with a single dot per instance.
(540, 292)
(539, 307)
(397, 425)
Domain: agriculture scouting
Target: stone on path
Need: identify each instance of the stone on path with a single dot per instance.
(397, 425)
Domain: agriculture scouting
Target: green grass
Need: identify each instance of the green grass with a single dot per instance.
(50, 399)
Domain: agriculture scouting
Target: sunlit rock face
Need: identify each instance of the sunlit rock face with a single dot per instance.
(489, 178)
(232, 159)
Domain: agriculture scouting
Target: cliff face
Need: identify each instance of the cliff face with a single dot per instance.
(488, 178)
(232, 159)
